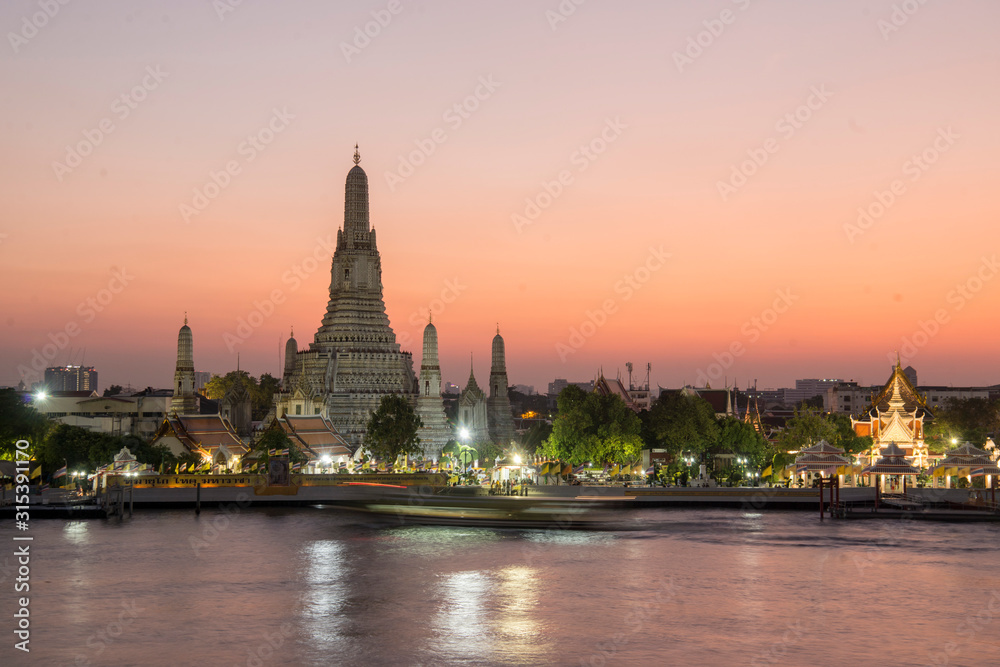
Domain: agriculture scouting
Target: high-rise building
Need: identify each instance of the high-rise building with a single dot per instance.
(71, 378)
(354, 359)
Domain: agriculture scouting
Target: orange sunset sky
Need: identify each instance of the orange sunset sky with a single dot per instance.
(740, 138)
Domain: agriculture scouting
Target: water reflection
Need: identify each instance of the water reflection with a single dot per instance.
(326, 575)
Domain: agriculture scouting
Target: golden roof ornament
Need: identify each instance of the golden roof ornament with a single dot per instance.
(357, 155)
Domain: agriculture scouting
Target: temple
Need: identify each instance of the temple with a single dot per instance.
(435, 431)
(896, 415)
(185, 401)
(472, 418)
(499, 419)
(354, 359)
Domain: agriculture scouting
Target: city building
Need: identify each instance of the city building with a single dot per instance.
(354, 359)
(71, 378)
(138, 414)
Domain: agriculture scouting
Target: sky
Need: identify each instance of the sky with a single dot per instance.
(730, 191)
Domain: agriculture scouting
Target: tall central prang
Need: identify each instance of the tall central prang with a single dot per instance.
(354, 358)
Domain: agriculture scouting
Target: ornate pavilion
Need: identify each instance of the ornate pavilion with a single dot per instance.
(897, 415)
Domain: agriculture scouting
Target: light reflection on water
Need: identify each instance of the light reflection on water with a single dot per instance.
(688, 586)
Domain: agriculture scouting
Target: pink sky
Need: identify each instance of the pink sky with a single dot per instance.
(671, 135)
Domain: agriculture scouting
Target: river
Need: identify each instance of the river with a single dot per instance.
(313, 586)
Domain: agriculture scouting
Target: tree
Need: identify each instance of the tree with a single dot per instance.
(964, 419)
(19, 421)
(535, 437)
(591, 427)
(263, 395)
(807, 427)
(741, 438)
(680, 422)
(113, 390)
(77, 447)
(392, 429)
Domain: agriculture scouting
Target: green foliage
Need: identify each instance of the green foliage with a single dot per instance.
(19, 421)
(78, 447)
(741, 438)
(591, 427)
(677, 423)
(392, 429)
(261, 391)
(965, 420)
(805, 428)
(535, 437)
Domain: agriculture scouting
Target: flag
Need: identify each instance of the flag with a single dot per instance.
(648, 471)
(580, 468)
(366, 465)
(43, 487)
(36, 471)
(283, 452)
(59, 473)
(296, 466)
(567, 469)
(977, 472)
(358, 467)
(614, 471)
(767, 472)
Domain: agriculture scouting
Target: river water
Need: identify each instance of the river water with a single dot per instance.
(312, 586)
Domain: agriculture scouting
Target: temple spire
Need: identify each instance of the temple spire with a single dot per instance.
(357, 155)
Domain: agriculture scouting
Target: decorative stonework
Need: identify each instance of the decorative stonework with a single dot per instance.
(354, 359)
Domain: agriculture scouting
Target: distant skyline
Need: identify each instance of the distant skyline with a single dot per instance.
(784, 190)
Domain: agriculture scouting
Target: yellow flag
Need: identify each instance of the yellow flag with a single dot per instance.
(767, 472)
